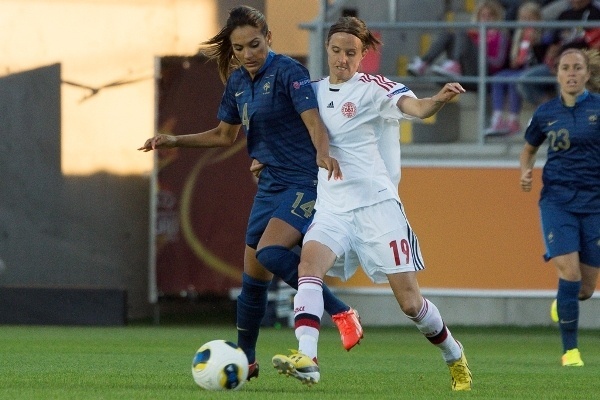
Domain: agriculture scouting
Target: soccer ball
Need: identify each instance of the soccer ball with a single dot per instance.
(220, 365)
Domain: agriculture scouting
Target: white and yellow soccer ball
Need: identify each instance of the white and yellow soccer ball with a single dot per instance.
(220, 365)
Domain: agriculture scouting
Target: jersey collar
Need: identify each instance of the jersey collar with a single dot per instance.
(268, 62)
(582, 96)
(337, 86)
(579, 98)
(262, 69)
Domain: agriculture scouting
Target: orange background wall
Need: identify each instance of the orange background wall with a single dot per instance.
(477, 229)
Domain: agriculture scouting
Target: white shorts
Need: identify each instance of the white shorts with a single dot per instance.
(377, 237)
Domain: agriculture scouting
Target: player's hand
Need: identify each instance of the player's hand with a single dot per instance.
(256, 167)
(526, 180)
(160, 141)
(448, 92)
(331, 165)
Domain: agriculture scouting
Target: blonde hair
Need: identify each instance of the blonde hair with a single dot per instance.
(592, 62)
(593, 56)
(531, 7)
(493, 6)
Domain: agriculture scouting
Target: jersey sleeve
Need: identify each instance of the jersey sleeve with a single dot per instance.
(228, 111)
(533, 133)
(386, 101)
(297, 81)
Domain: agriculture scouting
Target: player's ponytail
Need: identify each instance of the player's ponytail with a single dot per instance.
(593, 84)
(219, 46)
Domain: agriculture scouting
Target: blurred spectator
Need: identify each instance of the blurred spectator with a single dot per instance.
(511, 8)
(551, 9)
(461, 47)
(506, 100)
(553, 43)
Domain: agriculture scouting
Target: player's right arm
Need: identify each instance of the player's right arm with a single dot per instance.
(526, 161)
(223, 135)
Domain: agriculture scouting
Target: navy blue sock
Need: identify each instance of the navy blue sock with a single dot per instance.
(567, 302)
(251, 308)
(332, 304)
(283, 262)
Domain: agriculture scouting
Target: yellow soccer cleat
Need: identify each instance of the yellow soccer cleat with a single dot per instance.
(572, 358)
(299, 366)
(554, 311)
(461, 377)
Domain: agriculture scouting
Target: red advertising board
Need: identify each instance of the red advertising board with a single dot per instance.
(202, 196)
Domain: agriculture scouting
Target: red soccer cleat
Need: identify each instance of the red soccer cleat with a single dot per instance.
(348, 323)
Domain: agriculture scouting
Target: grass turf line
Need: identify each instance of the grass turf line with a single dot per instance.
(150, 362)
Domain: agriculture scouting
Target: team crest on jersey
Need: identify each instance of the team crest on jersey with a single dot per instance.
(349, 109)
(593, 119)
(267, 88)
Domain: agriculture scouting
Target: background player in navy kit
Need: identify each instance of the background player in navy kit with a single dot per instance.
(271, 96)
(570, 198)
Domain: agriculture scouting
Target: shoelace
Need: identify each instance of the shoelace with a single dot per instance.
(460, 371)
(346, 327)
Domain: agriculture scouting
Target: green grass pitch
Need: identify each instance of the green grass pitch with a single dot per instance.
(154, 362)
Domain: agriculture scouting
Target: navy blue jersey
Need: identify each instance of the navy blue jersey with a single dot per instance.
(571, 175)
(269, 108)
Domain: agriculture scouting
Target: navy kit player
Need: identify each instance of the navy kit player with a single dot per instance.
(270, 95)
(360, 220)
(570, 196)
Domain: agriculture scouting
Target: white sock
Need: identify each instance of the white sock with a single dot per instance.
(307, 344)
(496, 118)
(430, 324)
(308, 310)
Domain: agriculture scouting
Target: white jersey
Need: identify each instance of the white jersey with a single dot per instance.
(358, 114)
(389, 148)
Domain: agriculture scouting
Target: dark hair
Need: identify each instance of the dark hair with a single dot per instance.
(219, 46)
(356, 27)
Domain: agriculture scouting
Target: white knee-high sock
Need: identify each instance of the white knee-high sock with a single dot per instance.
(308, 310)
(430, 324)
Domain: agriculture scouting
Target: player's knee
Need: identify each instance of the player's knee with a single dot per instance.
(270, 255)
(273, 259)
(306, 268)
(410, 308)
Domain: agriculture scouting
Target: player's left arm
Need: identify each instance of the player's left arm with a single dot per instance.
(428, 106)
(318, 134)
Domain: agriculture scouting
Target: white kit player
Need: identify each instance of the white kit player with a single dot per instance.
(359, 219)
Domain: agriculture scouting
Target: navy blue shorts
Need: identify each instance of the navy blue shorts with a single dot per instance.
(294, 206)
(567, 232)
